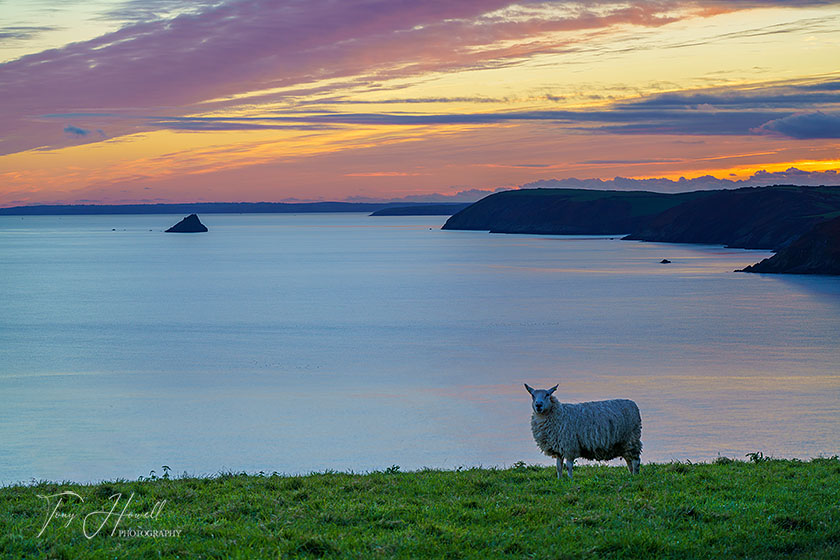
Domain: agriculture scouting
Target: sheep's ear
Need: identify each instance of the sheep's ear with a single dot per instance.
(552, 389)
(530, 390)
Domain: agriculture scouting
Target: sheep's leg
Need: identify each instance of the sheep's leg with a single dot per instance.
(636, 463)
(632, 465)
(559, 467)
(569, 464)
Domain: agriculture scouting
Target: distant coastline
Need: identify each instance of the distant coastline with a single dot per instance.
(440, 209)
(404, 208)
(773, 218)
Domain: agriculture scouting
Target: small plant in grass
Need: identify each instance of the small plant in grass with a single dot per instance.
(758, 457)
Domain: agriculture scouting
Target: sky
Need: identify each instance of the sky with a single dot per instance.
(131, 101)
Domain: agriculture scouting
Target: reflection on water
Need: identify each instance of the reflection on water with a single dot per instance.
(299, 343)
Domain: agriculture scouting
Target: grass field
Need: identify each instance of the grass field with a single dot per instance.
(761, 508)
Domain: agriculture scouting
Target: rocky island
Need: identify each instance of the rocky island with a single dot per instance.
(190, 224)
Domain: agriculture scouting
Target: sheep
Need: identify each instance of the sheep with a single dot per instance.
(599, 430)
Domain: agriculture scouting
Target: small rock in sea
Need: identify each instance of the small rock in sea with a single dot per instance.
(664, 261)
(190, 224)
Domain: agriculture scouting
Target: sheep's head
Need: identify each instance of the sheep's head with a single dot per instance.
(540, 398)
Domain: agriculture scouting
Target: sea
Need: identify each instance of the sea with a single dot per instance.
(297, 343)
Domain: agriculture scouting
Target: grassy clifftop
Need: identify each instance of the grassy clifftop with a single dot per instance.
(730, 509)
(752, 218)
(565, 211)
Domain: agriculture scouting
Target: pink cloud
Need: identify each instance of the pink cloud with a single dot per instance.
(165, 67)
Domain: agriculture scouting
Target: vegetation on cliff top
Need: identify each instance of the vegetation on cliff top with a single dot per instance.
(565, 211)
(730, 509)
(752, 218)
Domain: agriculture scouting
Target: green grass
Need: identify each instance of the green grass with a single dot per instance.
(764, 508)
(639, 203)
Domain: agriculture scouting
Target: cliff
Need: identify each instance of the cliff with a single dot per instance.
(749, 218)
(815, 252)
(566, 211)
(752, 218)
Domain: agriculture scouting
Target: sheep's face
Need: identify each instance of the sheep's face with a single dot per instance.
(540, 399)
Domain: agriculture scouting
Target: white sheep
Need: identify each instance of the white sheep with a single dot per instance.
(599, 430)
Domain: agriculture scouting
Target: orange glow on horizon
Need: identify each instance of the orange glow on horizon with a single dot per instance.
(745, 172)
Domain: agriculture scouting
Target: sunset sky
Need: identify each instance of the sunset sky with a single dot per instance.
(130, 101)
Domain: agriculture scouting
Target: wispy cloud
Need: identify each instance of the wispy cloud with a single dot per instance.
(21, 32)
(795, 110)
(141, 11)
(223, 49)
(784, 98)
(385, 174)
(229, 124)
(411, 100)
(626, 161)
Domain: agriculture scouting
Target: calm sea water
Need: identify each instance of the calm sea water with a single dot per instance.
(295, 343)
